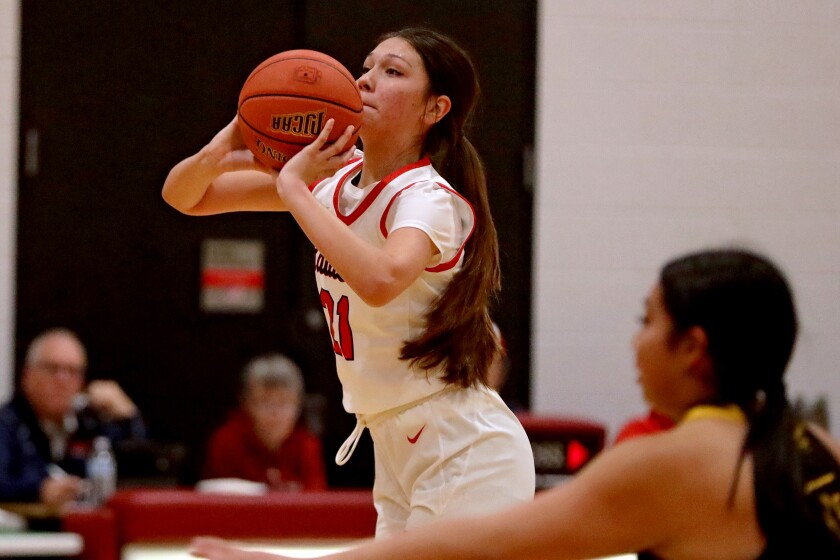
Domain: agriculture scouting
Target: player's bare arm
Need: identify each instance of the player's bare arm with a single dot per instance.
(377, 275)
(222, 177)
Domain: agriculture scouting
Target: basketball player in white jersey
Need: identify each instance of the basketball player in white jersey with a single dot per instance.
(406, 262)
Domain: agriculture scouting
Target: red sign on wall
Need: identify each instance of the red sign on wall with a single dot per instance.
(232, 276)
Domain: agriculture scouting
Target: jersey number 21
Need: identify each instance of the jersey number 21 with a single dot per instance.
(340, 313)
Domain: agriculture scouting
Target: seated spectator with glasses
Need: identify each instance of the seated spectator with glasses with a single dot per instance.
(47, 429)
(265, 440)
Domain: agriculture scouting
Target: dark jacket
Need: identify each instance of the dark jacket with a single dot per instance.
(25, 448)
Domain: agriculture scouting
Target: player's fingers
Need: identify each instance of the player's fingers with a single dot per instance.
(342, 158)
(342, 144)
(322, 138)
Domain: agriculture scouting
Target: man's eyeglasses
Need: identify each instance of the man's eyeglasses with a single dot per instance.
(54, 368)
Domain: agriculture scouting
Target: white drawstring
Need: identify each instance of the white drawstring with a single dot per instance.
(363, 420)
(349, 446)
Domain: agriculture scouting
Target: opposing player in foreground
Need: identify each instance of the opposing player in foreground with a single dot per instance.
(406, 263)
(739, 478)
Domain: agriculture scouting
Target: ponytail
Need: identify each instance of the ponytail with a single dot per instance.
(795, 481)
(745, 306)
(459, 331)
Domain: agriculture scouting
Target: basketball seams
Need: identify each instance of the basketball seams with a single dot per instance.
(350, 82)
(340, 70)
(348, 77)
(283, 108)
(306, 97)
(282, 139)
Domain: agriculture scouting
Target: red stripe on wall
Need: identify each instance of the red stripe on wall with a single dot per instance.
(232, 277)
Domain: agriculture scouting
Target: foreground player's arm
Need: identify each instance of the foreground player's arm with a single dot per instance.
(222, 177)
(377, 275)
(615, 505)
(666, 493)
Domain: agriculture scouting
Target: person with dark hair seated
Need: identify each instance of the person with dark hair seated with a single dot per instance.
(740, 477)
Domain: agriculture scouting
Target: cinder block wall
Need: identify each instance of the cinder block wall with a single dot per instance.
(665, 127)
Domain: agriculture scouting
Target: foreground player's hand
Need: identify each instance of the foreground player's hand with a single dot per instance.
(316, 161)
(217, 549)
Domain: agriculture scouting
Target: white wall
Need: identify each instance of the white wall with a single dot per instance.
(9, 71)
(665, 127)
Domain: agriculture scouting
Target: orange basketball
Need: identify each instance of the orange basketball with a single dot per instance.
(288, 98)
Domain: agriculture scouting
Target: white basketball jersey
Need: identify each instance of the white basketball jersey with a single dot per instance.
(367, 340)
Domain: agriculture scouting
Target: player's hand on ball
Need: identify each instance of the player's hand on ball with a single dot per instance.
(316, 161)
(229, 150)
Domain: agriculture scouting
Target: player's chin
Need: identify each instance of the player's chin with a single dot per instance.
(372, 126)
(367, 113)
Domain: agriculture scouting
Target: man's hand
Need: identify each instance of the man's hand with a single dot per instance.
(108, 398)
(58, 491)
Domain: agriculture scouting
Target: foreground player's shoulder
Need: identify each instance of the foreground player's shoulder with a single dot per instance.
(636, 470)
(634, 489)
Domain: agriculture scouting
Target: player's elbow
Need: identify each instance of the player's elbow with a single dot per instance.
(377, 297)
(377, 291)
(172, 200)
(178, 204)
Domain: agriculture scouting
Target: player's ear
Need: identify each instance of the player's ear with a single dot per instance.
(694, 345)
(436, 108)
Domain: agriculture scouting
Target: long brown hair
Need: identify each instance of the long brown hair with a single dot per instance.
(459, 332)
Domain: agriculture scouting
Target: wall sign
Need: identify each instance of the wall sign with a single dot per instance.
(232, 276)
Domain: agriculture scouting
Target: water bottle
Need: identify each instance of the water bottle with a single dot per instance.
(101, 471)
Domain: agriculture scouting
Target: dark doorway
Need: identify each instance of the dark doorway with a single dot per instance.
(115, 93)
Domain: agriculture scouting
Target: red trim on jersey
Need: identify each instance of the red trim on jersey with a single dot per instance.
(452, 262)
(371, 196)
(445, 265)
(388, 209)
(316, 183)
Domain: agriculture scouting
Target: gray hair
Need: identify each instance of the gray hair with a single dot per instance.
(273, 370)
(33, 351)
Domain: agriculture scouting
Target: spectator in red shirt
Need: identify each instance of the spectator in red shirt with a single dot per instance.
(651, 423)
(264, 440)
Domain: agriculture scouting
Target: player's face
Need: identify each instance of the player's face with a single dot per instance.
(657, 355)
(395, 92)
